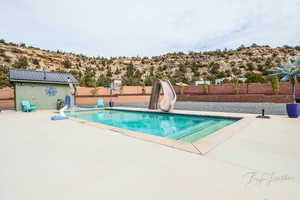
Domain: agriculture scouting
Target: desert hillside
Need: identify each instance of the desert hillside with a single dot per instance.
(251, 62)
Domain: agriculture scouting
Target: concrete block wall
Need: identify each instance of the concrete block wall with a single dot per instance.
(117, 99)
(252, 92)
(258, 98)
(7, 98)
(251, 88)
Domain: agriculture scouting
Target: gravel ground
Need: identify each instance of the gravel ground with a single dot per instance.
(270, 108)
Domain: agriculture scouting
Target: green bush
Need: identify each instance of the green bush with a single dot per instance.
(275, 85)
(254, 45)
(12, 44)
(21, 63)
(109, 72)
(241, 47)
(4, 76)
(236, 86)
(253, 77)
(132, 76)
(205, 89)
(67, 64)
(214, 68)
(35, 61)
(103, 81)
(220, 75)
(88, 80)
(59, 104)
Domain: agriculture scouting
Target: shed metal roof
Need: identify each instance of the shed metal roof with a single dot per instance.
(20, 75)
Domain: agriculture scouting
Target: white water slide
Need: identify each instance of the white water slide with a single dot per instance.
(168, 100)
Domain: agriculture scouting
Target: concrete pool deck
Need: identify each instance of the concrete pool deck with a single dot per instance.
(235, 107)
(44, 159)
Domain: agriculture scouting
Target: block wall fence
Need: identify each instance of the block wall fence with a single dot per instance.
(252, 92)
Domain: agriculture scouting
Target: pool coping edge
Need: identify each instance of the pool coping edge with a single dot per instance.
(201, 146)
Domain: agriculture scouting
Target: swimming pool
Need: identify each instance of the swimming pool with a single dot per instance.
(188, 128)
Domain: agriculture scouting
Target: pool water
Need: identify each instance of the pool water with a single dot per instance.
(175, 126)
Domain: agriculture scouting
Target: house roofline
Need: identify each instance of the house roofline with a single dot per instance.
(31, 81)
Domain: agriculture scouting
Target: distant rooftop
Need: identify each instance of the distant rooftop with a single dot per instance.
(20, 75)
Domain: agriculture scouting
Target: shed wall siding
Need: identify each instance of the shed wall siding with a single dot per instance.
(36, 94)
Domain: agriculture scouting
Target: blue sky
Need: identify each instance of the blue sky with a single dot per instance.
(149, 28)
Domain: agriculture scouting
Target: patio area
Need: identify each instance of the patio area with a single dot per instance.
(44, 159)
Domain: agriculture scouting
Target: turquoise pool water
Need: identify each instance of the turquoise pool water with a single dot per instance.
(179, 127)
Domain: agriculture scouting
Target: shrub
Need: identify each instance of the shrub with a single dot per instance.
(260, 67)
(182, 89)
(275, 85)
(109, 72)
(287, 47)
(12, 44)
(94, 91)
(182, 68)
(21, 63)
(241, 47)
(248, 53)
(118, 71)
(220, 75)
(59, 104)
(254, 78)
(132, 76)
(35, 61)
(103, 81)
(214, 68)
(67, 64)
(290, 71)
(250, 66)
(143, 90)
(16, 50)
(254, 45)
(268, 62)
(121, 89)
(236, 71)
(4, 75)
(236, 86)
(7, 59)
(227, 72)
(88, 80)
(2, 41)
(205, 89)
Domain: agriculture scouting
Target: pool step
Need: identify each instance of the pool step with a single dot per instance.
(206, 131)
(192, 129)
